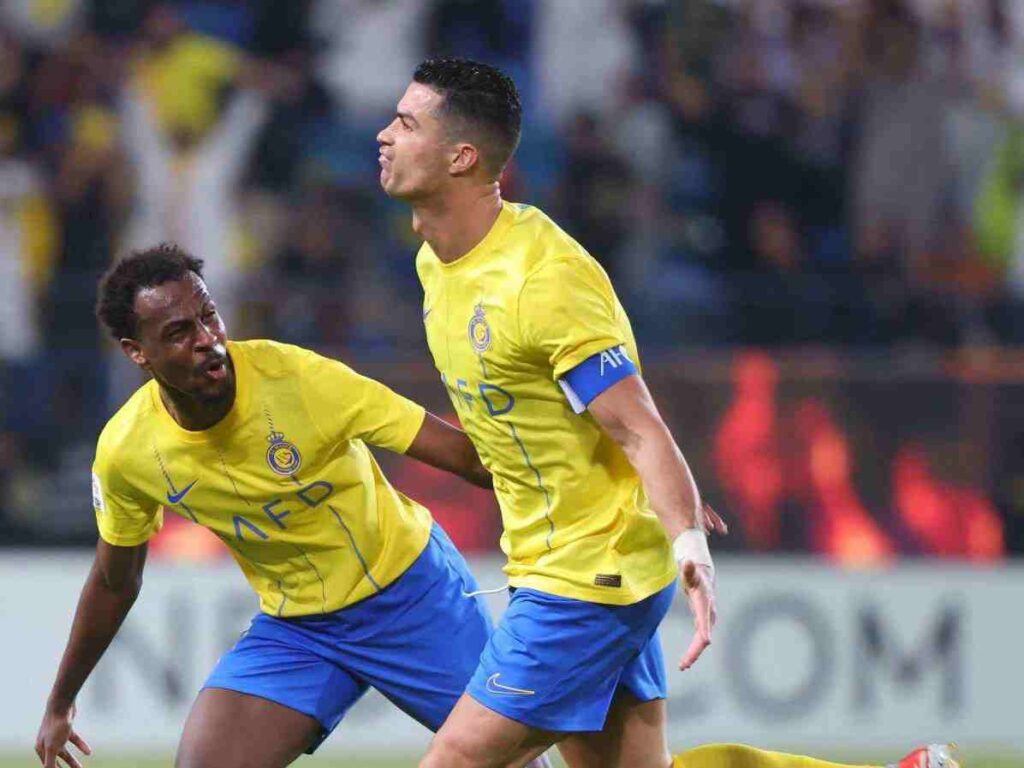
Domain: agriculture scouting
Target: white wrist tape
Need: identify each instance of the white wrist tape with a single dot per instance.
(692, 544)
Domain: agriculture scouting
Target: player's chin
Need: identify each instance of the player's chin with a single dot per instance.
(394, 190)
(212, 390)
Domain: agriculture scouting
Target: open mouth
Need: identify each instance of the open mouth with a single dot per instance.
(216, 369)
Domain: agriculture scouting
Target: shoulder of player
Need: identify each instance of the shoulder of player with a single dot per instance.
(271, 359)
(126, 430)
(547, 247)
(312, 371)
(564, 268)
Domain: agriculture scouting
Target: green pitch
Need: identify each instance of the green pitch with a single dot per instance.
(310, 762)
(970, 761)
(12, 762)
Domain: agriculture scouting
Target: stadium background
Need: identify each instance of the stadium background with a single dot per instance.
(813, 211)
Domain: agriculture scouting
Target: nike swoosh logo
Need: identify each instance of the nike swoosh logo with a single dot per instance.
(493, 686)
(174, 498)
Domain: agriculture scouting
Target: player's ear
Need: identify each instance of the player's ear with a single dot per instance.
(464, 159)
(133, 351)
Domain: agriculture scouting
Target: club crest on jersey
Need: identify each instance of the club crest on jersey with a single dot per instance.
(479, 330)
(283, 457)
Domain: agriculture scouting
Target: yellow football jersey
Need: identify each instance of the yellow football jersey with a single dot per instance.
(285, 479)
(504, 323)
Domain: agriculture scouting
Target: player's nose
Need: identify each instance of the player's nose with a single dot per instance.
(205, 336)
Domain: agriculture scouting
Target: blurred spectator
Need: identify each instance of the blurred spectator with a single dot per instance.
(47, 25)
(594, 191)
(902, 170)
(28, 239)
(499, 32)
(187, 181)
(570, 78)
(184, 74)
(91, 193)
(305, 305)
(821, 134)
(301, 106)
(785, 173)
(370, 49)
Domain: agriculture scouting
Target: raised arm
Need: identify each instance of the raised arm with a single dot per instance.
(110, 590)
(446, 447)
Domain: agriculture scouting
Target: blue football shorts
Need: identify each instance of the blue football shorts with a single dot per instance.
(554, 663)
(417, 641)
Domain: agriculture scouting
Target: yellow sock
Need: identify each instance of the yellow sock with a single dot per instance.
(741, 756)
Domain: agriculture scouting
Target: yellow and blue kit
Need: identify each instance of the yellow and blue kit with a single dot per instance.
(357, 586)
(526, 330)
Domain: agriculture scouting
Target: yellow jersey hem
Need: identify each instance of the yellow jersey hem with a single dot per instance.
(602, 595)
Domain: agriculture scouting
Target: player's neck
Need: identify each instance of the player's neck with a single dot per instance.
(193, 414)
(455, 224)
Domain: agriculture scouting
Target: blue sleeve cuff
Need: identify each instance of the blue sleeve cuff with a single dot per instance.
(594, 375)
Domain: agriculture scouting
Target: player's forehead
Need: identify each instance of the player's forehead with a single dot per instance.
(419, 100)
(158, 305)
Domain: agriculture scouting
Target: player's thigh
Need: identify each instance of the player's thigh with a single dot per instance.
(474, 736)
(421, 640)
(555, 663)
(634, 736)
(283, 663)
(228, 729)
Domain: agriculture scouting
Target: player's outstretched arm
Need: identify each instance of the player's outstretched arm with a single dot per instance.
(108, 595)
(627, 413)
(441, 445)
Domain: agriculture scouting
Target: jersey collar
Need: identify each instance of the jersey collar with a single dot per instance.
(506, 216)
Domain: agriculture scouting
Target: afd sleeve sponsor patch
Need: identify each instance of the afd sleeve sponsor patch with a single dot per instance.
(97, 494)
(594, 375)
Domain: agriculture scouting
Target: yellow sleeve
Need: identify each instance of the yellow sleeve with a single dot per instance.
(567, 313)
(348, 406)
(124, 518)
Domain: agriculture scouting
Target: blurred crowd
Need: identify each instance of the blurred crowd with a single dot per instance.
(751, 172)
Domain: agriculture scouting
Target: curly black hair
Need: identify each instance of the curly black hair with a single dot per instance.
(478, 98)
(120, 284)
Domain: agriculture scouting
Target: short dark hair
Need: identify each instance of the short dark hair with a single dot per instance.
(480, 97)
(120, 284)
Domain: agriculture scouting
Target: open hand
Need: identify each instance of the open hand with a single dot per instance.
(699, 581)
(54, 735)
